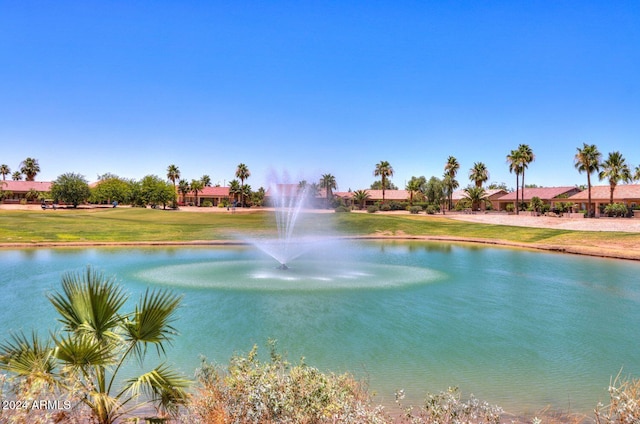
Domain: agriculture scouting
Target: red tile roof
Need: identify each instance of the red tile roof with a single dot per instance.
(602, 193)
(544, 193)
(461, 194)
(25, 186)
(397, 195)
(212, 192)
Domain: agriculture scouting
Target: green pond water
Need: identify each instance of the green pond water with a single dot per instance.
(516, 328)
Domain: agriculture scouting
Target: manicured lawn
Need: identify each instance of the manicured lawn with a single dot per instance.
(147, 225)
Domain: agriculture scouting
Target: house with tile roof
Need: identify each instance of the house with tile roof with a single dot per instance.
(493, 195)
(627, 194)
(17, 191)
(549, 196)
(215, 195)
(375, 196)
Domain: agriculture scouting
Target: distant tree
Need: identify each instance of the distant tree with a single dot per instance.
(206, 180)
(30, 168)
(515, 160)
(498, 186)
(450, 171)
(479, 173)
(526, 157)
(636, 176)
(234, 189)
(173, 174)
(435, 192)
(360, 197)
(4, 170)
(111, 189)
(615, 169)
(242, 172)
(70, 188)
(156, 191)
(383, 170)
(16, 176)
(388, 185)
(197, 186)
(414, 186)
(184, 189)
(587, 160)
(32, 194)
(328, 182)
(257, 197)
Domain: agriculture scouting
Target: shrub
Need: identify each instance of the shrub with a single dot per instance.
(510, 208)
(431, 210)
(372, 209)
(415, 209)
(624, 405)
(343, 208)
(275, 391)
(385, 207)
(207, 204)
(616, 209)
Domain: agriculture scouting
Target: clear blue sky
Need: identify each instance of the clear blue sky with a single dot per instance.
(316, 87)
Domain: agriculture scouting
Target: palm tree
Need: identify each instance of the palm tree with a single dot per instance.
(526, 157)
(206, 180)
(636, 176)
(514, 159)
(451, 170)
(173, 174)
(4, 170)
(328, 182)
(96, 340)
(587, 160)
(30, 168)
(234, 188)
(615, 169)
(384, 171)
(242, 172)
(360, 197)
(184, 189)
(16, 176)
(479, 173)
(196, 186)
(413, 187)
(476, 195)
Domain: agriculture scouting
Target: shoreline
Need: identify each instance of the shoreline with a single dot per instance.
(573, 250)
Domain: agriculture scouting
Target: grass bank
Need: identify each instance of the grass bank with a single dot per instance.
(126, 225)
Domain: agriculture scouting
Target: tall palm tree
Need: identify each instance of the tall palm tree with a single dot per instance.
(479, 173)
(4, 170)
(206, 180)
(16, 176)
(30, 168)
(328, 182)
(96, 340)
(242, 172)
(526, 157)
(196, 186)
(514, 159)
(451, 170)
(587, 160)
(615, 169)
(173, 174)
(383, 170)
(360, 197)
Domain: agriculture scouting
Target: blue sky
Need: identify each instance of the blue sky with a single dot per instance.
(313, 87)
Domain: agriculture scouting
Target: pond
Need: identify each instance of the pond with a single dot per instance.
(517, 328)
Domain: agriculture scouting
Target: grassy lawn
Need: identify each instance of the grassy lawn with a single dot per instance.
(147, 225)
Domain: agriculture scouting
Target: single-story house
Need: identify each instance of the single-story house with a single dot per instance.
(493, 195)
(375, 196)
(628, 194)
(215, 195)
(16, 191)
(548, 195)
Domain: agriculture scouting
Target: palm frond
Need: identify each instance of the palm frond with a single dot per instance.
(151, 321)
(162, 386)
(78, 351)
(89, 303)
(30, 357)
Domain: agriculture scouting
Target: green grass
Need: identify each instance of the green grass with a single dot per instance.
(147, 225)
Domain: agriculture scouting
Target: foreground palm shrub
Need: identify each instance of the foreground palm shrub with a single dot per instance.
(275, 391)
(624, 405)
(78, 366)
